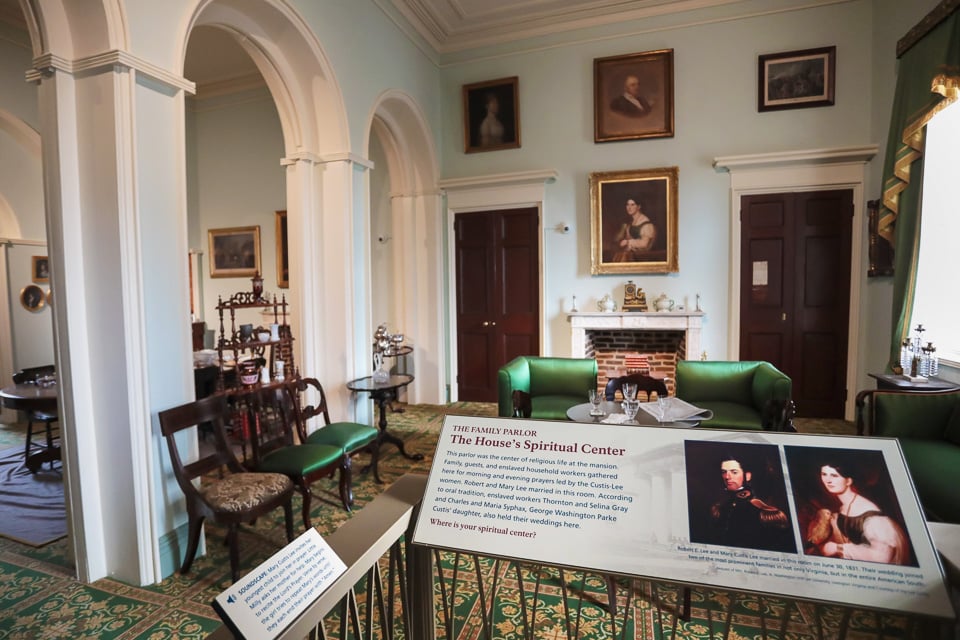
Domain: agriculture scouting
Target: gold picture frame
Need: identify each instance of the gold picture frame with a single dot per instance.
(633, 221)
(40, 269)
(32, 298)
(234, 252)
(491, 115)
(633, 96)
(283, 253)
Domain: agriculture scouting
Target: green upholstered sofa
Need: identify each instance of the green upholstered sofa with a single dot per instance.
(742, 395)
(928, 428)
(550, 386)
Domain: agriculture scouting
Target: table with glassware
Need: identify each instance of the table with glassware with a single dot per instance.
(612, 412)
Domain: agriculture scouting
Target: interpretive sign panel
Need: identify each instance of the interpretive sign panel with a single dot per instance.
(830, 518)
(268, 599)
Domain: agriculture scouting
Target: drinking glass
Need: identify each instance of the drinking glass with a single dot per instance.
(595, 399)
(630, 408)
(661, 408)
(629, 390)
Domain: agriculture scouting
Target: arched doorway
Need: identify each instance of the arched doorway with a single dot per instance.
(409, 213)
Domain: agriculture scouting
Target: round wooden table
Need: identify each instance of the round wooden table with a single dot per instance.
(382, 392)
(33, 397)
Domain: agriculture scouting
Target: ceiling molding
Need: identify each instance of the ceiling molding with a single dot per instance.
(458, 25)
(227, 86)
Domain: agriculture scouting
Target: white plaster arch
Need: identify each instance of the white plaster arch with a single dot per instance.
(9, 225)
(415, 203)
(310, 104)
(25, 135)
(75, 29)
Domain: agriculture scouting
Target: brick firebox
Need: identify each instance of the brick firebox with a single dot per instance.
(662, 337)
(662, 349)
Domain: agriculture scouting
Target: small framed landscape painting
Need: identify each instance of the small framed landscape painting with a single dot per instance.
(796, 79)
(234, 252)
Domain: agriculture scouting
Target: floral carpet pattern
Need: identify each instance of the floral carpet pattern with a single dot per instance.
(40, 599)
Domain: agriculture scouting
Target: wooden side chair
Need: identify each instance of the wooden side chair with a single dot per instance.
(645, 383)
(226, 498)
(274, 418)
(350, 437)
(48, 418)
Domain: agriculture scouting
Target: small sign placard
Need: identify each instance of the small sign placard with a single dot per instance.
(265, 601)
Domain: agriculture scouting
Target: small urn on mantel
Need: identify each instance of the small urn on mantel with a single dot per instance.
(257, 281)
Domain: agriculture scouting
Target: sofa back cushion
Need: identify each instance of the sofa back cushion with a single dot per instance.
(715, 381)
(952, 432)
(562, 376)
(913, 415)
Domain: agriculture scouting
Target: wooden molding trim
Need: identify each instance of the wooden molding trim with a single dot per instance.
(929, 22)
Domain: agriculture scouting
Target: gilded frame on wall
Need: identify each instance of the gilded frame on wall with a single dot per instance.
(633, 221)
(283, 254)
(234, 252)
(633, 96)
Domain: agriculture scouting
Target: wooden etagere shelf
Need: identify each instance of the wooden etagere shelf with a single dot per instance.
(234, 342)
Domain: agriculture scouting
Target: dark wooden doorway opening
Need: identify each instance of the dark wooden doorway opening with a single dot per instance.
(795, 292)
(497, 295)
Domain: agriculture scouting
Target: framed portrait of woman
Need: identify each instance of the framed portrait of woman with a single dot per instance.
(633, 221)
(491, 115)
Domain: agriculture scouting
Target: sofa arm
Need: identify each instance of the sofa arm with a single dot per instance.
(769, 383)
(513, 376)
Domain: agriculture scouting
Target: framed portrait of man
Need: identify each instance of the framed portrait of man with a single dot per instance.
(633, 96)
(633, 220)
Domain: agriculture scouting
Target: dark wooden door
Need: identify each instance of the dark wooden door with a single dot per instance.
(498, 293)
(795, 292)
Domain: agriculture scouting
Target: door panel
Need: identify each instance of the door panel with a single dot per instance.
(498, 295)
(795, 290)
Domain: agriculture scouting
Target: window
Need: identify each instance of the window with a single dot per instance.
(936, 302)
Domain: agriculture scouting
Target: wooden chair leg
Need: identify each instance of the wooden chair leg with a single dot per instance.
(234, 545)
(305, 512)
(346, 482)
(193, 541)
(288, 518)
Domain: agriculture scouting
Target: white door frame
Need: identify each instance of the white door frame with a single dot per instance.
(808, 170)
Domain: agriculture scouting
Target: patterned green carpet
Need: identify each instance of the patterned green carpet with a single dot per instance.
(39, 598)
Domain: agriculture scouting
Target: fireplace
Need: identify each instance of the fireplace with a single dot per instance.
(664, 338)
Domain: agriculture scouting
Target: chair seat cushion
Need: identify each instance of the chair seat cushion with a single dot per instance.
(553, 407)
(300, 459)
(731, 415)
(346, 435)
(240, 492)
(936, 474)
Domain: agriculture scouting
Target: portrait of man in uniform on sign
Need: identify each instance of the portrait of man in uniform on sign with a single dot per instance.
(736, 496)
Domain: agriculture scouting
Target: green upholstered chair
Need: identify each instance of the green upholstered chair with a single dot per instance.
(275, 449)
(545, 387)
(350, 437)
(928, 428)
(742, 394)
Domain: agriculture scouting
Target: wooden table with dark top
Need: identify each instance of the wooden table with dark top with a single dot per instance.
(893, 382)
(33, 397)
(384, 392)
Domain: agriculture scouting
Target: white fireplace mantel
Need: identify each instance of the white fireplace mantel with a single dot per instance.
(690, 322)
